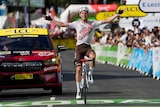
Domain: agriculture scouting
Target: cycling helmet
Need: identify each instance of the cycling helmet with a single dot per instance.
(83, 9)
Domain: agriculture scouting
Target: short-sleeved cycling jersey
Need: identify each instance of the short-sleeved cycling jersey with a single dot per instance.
(85, 31)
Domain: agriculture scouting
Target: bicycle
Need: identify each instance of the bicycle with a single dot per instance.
(84, 81)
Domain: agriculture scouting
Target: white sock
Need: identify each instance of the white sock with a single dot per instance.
(91, 69)
(78, 86)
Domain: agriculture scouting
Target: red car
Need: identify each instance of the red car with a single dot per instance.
(28, 60)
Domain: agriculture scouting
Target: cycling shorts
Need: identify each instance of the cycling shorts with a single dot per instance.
(81, 51)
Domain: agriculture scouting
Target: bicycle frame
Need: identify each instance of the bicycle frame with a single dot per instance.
(85, 77)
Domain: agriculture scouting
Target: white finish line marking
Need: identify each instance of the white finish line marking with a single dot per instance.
(51, 99)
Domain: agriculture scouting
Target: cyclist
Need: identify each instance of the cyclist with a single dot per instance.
(85, 31)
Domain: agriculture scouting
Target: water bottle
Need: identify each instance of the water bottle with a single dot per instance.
(3, 8)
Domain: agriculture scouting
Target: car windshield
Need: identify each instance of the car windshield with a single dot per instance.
(10, 43)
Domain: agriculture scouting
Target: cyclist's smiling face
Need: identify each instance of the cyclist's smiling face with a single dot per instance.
(84, 15)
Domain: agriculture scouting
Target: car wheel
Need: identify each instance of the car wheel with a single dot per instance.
(56, 90)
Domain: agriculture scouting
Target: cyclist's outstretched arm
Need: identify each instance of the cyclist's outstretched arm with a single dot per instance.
(61, 24)
(58, 23)
(108, 20)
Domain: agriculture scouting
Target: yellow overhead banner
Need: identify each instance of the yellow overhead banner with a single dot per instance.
(131, 11)
(104, 15)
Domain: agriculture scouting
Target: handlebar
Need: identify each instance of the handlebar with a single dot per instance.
(86, 60)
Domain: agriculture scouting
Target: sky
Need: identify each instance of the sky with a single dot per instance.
(132, 1)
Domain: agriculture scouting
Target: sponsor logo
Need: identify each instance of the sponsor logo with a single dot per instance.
(149, 5)
(131, 11)
(104, 15)
(45, 53)
(20, 31)
(22, 52)
(50, 68)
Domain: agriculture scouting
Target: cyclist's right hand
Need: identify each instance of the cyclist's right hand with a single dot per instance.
(48, 17)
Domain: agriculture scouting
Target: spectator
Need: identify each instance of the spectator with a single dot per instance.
(103, 39)
(137, 41)
(5, 48)
(110, 40)
(156, 40)
(123, 36)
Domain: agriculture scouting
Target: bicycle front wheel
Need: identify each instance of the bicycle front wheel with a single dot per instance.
(85, 89)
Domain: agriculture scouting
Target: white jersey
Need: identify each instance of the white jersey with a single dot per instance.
(85, 31)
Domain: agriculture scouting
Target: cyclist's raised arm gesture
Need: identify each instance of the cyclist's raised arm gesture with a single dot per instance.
(61, 24)
(108, 20)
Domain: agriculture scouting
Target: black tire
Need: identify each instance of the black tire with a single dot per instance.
(85, 94)
(85, 90)
(56, 90)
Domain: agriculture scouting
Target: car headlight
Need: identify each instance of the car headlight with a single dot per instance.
(51, 61)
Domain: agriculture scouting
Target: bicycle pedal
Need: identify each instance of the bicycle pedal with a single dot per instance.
(90, 79)
(81, 87)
